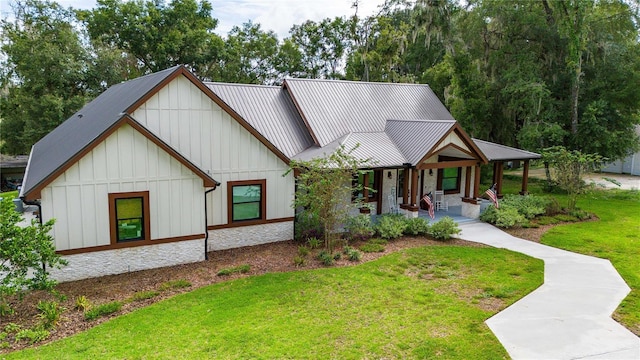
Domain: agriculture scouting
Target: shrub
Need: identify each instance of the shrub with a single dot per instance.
(33, 335)
(82, 303)
(352, 254)
(566, 218)
(326, 258)
(303, 251)
(49, 313)
(444, 228)
(371, 247)
(378, 241)
(391, 226)
(359, 227)
(547, 220)
(5, 309)
(298, 261)
(308, 225)
(314, 242)
(489, 215)
(103, 310)
(174, 284)
(144, 295)
(416, 226)
(12, 327)
(509, 217)
(553, 207)
(580, 214)
(528, 206)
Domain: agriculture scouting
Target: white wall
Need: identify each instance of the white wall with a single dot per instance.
(249, 235)
(188, 120)
(125, 161)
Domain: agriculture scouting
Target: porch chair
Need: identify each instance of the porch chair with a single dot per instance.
(438, 200)
(393, 202)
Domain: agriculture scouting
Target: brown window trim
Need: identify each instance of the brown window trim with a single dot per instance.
(263, 201)
(113, 223)
(441, 175)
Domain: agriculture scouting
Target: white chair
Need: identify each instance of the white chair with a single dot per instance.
(393, 202)
(438, 200)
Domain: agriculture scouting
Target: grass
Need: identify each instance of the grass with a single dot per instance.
(420, 303)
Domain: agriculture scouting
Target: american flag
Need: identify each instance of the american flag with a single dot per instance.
(491, 192)
(427, 199)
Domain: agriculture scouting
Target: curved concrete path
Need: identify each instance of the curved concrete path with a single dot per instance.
(569, 316)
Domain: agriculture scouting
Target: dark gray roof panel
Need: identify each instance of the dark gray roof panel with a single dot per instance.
(270, 111)
(77, 132)
(495, 151)
(415, 138)
(334, 108)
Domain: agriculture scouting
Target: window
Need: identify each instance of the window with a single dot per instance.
(400, 183)
(373, 180)
(246, 200)
(129, 215)
(449, 180)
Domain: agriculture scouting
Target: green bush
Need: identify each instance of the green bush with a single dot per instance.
(509, 217)
(314, 242)
(174, 284)
(352, 254)
(82, 303)
(391, 226)
(566, 218)
(553, 207)
(528, 206)
(33, 335)
(416, 226)
(444, 228)
(547, 220)
(489, 215)
(308, 225)
(326, 258)
(49, 313)
(238, 269)
(299, 261)
(378, 241)
(580, 214)
(12, 328)
(359, 227)
(303, 251)
(103, 310)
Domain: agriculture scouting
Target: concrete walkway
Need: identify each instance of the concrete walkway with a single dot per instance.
(569, 316)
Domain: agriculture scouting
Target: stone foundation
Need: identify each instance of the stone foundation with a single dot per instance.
(236, 237)
(118, 261)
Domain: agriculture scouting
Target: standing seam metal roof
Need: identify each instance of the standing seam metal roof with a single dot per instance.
(52, 151)
(270, 111)
(415, 138)
(334, 108)
(495, 151)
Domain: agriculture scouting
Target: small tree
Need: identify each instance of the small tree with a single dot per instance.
(23, 251)
(570, 167)
(325, 188)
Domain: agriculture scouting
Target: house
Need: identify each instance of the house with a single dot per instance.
(160, 170)
(629, 165)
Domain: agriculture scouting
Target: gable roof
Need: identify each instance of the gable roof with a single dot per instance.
(270, 111)
(500, 152)
(332, 109)
(63, 146)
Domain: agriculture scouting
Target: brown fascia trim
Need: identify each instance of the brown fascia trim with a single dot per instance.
(130, 244)
(35, 193)
(297, 105)
(250, 223)
(182, 70)
(479, 155)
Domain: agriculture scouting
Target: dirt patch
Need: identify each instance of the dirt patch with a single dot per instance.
(267, 258)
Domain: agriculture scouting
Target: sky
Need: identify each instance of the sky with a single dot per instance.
(275, 15)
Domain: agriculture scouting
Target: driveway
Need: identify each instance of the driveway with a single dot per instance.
(626, 181)
(569, 316)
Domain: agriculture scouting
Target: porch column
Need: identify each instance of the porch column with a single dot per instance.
(405, 188)
(467, 182)
(525, 178)
(414, 186)
(476, 183)
(499, 178)
(365, 184)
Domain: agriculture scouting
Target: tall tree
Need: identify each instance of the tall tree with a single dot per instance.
(44, 67)
(158, 35)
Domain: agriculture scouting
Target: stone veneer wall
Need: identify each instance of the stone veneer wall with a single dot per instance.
(236, 237)
(118, 261)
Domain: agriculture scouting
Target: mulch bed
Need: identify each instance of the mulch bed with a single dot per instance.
(267, 258)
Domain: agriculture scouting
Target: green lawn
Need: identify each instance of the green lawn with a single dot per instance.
(428, 302)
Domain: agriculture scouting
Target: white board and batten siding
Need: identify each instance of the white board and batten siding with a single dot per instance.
(192, 123)
(126, 161)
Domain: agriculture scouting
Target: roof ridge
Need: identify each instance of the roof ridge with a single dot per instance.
(356, 82)
(242, 85)
(503, 146)
(421, 120)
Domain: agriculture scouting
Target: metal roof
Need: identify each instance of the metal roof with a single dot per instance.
(416, 138)
(499, 152)
(333, 108)
(270, 111)
(71, 137)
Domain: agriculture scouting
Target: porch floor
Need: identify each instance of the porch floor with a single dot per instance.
(454, 212)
